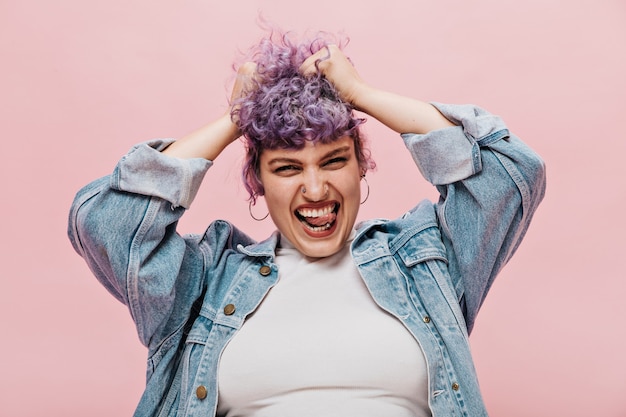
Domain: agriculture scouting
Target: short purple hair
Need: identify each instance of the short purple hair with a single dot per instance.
(285, 109)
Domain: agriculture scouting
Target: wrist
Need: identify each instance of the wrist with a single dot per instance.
(362, 96)
(229, 126)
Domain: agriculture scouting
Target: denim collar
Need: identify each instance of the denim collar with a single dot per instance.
(265, 248)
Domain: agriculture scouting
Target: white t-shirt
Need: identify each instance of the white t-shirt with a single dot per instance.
(318, 345)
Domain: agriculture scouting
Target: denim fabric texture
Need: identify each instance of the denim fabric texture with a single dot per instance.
(430, 268)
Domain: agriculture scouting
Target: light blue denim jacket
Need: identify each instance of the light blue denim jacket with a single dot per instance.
(431, 268)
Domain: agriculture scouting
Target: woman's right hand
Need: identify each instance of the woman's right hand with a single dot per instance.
(210, 140)
(244, 83)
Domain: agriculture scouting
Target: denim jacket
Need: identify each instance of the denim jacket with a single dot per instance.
(431, 268)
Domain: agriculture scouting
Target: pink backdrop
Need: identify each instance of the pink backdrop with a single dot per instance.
(81, 81)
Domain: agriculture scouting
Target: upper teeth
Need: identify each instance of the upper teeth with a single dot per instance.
(316, 212)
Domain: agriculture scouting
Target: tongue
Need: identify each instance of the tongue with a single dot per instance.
(321, 220)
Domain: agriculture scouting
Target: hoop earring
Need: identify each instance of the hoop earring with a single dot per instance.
(368, 189)
(252, 215)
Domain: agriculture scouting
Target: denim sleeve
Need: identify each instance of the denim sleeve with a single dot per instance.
(490, 184)
(124, 226)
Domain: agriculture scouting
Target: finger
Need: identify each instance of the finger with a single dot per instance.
(315, 63)
(248, 68)
(308, 67)
(244, 80)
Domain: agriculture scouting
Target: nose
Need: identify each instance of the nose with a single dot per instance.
(314, 187)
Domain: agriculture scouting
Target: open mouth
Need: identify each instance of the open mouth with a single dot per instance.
(318, 219)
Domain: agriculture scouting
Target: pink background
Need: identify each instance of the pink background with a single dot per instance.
(82, 81)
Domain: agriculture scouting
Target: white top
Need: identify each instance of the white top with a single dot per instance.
(318, 345)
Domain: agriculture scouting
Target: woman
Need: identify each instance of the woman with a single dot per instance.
(324, 318)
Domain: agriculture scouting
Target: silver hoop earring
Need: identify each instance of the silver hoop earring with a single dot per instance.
(368, 189)
(252, 215)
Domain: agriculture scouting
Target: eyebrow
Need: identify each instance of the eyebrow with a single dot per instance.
(330, 154)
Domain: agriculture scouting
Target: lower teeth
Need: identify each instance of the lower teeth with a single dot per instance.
(318, 228)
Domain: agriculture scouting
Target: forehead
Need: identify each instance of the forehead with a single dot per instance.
(310, 152)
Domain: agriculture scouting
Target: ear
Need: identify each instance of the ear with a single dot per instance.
(260, 188)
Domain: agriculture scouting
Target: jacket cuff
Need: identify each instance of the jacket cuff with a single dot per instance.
(451, 154)
(145, 170)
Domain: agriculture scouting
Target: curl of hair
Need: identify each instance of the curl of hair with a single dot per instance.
(285, 109)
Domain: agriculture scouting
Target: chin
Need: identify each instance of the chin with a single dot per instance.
(321, 249)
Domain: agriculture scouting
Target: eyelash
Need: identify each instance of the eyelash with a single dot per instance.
(286, 168)
(336, 160)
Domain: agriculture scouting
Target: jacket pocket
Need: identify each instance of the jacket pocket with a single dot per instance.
(423, 260)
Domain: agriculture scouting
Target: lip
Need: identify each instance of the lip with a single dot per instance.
(318, 220)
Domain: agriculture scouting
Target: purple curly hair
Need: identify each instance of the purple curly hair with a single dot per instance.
(285, 109)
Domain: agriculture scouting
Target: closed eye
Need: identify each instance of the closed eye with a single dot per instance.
(335, 162)
(286, 169)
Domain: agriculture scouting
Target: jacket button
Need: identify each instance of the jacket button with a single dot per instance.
(201, 392)
(455, 386)
(426, 319)
(229, 309)
(265, 270)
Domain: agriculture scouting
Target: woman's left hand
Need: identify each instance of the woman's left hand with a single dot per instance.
(337, 68)
(401, 114)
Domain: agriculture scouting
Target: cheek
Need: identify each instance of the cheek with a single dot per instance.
(278, 197)
(351, 191)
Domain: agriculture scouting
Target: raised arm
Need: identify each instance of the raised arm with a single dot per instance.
(490, 183)
(124, 225)
(206, 142)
